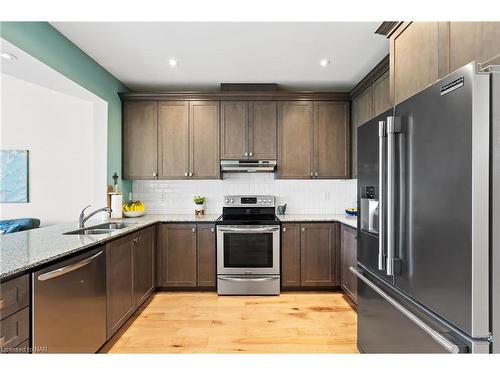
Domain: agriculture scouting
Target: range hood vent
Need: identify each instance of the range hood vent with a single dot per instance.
(247, 166)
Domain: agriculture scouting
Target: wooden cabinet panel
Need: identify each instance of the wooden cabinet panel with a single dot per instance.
(290, 255)
(234, 129)
(262, 130)
(177, 255)
(144, 252)
(119, 282)
(362, 107)
(206, 271)
(295, 130)
(348, 255)
(14, 295)
(473, 41)
(381, 94)
(331, 139)
(414, 58)
(173, 142)
(204, 139)
(140, 140)
(14, 330)
(318, 254)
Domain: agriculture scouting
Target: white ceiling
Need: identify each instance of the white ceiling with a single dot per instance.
(137, 53)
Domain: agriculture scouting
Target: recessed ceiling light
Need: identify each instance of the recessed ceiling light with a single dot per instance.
(8, 56)
(172, 62)
(324, 62)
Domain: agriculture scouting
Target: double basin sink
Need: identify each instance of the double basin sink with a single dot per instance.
(100, 229)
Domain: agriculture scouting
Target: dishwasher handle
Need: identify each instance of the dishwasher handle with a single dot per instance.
(72, 267)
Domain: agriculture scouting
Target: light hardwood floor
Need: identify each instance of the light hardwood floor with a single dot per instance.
(202, 322)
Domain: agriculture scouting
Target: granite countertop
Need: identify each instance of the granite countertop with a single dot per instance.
(342, 218)
(20, 252)
(23, 251)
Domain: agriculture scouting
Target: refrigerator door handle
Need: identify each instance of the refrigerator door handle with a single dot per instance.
(439, 338)
(382, 144)
(393, 127)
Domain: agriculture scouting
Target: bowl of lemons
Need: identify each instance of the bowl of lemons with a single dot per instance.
(351, 211)
(133, 209)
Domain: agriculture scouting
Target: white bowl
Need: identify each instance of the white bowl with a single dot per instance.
(133, 213)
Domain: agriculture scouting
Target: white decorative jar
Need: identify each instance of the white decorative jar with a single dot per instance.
(199, 209)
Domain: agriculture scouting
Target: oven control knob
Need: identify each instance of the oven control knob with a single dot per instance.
(260, 200)
(232, 200)
(227, 200)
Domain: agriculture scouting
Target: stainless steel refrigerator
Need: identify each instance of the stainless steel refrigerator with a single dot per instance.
(428, 243)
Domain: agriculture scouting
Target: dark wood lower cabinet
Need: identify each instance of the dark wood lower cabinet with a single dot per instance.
(144, 269)
(177, 255)
(309, 255)
(290, 255)
(205, 246)
(349, 255)
(119, 282)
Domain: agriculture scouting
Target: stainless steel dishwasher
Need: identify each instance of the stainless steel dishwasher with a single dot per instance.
(69, 305)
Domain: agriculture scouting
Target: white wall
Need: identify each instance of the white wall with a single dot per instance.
(59, 132)
(301, 196)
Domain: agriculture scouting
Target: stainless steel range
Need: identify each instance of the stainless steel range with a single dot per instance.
(248, 246)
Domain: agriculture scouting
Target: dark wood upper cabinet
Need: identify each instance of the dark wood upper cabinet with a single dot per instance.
(204, 158)
(206, 267)
(119, 282)
(139, 140)
(331, 140)
(318, 255)
(177, 255)
(262, 130)
(144, 264)
(295, 133)
(173, 139)
(290, 255)
(381, 94)
(234, 130)
(348, 256)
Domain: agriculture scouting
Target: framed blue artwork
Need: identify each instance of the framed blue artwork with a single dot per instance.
(13, 176)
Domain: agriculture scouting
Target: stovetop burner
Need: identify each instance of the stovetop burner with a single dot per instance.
(248, 210)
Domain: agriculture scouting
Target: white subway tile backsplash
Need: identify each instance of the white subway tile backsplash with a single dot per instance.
(301, 196)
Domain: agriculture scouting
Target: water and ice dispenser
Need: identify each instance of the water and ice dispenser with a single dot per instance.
(369, 209)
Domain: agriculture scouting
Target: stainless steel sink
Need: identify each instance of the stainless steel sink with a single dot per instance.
(100, 229)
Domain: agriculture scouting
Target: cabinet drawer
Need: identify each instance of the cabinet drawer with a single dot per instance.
(14, 295)
(14, 329)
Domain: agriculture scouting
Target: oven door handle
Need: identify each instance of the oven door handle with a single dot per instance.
(248, 278)
(267, 229)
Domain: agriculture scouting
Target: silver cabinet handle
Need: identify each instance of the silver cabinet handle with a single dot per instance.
(251, 153)
(193, 229)
(316, 174)
(246, 153)
(284, 229)
(382, 140)
(270, 228)
(185, 174)
(312, 174)
(155, 174)
(212, 230)
(303, 229)
(393, 127)
(72, 267)
(246, 278)
(190, 174)
(440, 339)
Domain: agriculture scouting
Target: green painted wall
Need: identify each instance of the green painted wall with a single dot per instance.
(48, 45)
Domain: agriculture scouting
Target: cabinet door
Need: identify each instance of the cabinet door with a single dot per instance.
(144, 250)
(414, 58)
(177, 255)
(381, 94)
(318, 254)
(173, 142)
(348, 255)
(331, 139)
(362, 111)
(234, 129)
(295, 131)
(204, 139)
(140, 140)
(473, 41)
(119, 282)
(290, 254)
(206, 255)
(262, 130)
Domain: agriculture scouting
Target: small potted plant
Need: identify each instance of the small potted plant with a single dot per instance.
(199, 205)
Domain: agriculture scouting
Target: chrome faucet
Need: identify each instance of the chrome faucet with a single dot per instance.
(83, 218)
